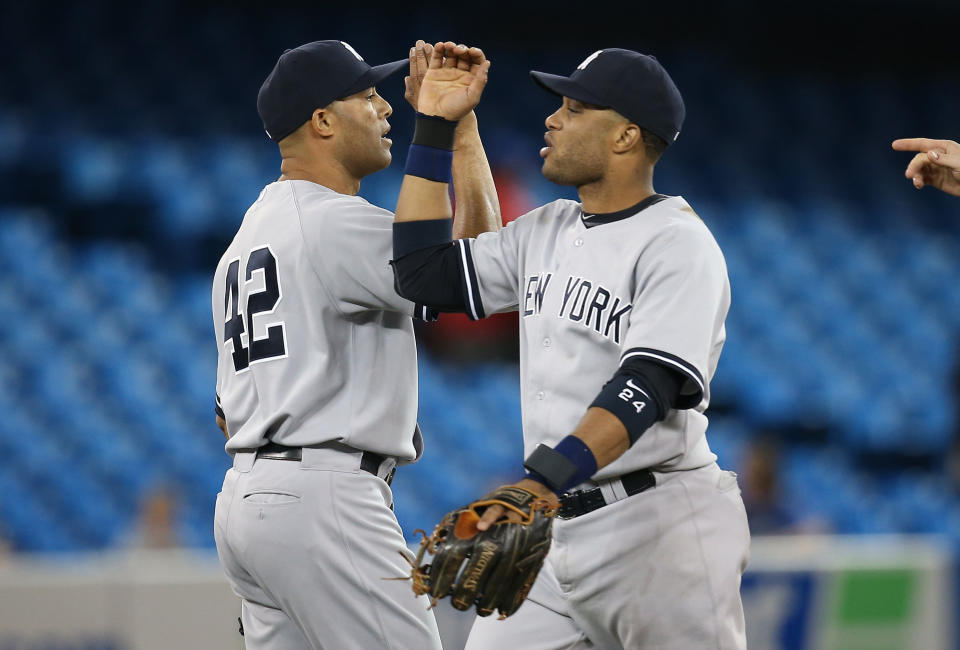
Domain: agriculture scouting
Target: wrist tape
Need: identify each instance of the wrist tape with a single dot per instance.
(431, 153)
(560, 468)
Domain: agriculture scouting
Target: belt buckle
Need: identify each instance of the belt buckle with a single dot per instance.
(571, 505)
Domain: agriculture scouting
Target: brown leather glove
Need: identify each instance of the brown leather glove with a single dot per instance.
(501, 562)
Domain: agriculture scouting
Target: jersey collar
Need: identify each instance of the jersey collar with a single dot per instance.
(591, 220)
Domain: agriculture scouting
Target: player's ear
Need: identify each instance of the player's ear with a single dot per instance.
(322, 122)
(627, 136)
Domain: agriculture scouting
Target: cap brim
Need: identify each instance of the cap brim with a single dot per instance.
(565, 87)
(375, 75)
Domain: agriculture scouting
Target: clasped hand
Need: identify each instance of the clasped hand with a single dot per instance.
(446, 79)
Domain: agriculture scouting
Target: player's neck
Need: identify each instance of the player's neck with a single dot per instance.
(321, 172)
(605, 196)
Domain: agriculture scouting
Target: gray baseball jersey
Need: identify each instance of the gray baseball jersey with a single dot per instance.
(593, 292)
(315, 344)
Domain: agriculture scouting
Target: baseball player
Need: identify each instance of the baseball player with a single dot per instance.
(937, 164)
(317, 370)
(622, 299)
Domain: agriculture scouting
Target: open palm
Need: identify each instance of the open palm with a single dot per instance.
(454, 81)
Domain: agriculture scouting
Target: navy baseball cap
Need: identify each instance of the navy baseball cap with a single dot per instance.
(633, 84)
(310, 77)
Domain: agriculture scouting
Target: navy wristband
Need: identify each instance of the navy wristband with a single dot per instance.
(429, 163)
(568, 464)
(431, 153)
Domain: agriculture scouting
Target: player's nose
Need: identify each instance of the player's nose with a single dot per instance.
(386, 110)
(553, 120)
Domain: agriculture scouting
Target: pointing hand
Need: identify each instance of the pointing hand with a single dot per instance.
(937, 164)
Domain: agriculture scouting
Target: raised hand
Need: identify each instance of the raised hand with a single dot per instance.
(419, 58)
(455, 78)
(937, 164)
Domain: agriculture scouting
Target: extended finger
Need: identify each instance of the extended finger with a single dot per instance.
(414, 63)
(476, 55)
(460, 52)
(421, 55)
(475, 89)
(449, 56)
(490, 516)
(920, 144)
(436, 56)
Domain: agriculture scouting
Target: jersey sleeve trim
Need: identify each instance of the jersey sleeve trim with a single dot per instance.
(425, 313)
(687, 398)
(471, 288)
(218, 408)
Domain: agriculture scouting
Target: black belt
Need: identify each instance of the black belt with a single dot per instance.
(369, 461)
(574, 504)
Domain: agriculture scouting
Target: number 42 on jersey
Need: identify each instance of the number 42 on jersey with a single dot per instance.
(262, 262)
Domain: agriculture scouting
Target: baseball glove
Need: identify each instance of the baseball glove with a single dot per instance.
(501, 562)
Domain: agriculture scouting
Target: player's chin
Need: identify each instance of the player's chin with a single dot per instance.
(383, 158)
(555, 175)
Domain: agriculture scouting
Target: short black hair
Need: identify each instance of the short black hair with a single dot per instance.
(654, 144)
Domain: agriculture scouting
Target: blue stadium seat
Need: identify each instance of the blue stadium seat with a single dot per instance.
(845, 302)
(95, 169)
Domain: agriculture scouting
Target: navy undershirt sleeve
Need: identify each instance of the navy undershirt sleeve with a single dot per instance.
(426, 265)
(664, 383)
(410, 236)
(640, 394)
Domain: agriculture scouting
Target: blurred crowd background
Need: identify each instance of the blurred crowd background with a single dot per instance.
(130, 148)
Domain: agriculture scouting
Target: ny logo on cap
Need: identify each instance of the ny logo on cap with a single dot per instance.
(352, 51)
(588, 60)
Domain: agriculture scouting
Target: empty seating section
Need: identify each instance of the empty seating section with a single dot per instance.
(123, 173)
